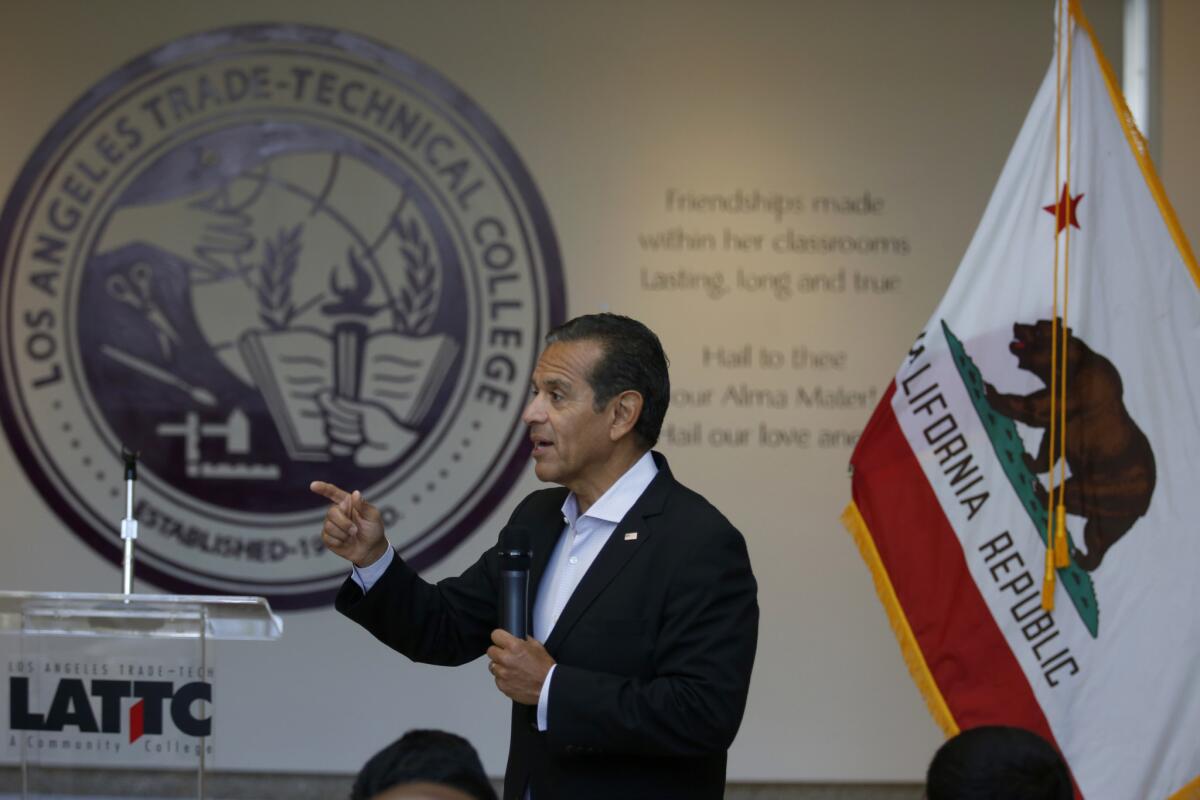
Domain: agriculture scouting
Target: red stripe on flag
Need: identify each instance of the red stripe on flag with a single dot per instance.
(968, 658)
(137, 721)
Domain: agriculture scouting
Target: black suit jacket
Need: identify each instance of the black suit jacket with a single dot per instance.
(654, 649)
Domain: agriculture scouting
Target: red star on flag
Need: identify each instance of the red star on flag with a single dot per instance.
(1064, 210)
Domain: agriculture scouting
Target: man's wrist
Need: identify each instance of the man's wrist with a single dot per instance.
(366, 577)
(373, 555)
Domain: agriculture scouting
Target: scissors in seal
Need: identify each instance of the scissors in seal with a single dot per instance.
(135, 289)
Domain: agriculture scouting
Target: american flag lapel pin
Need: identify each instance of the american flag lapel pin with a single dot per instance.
(631, 536)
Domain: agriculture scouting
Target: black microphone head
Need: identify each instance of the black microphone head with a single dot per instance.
(514, 539)
(514, 547)
(130, 457)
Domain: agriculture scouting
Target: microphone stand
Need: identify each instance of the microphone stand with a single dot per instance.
(129, 526)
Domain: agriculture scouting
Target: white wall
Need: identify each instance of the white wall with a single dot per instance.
(1180, 64)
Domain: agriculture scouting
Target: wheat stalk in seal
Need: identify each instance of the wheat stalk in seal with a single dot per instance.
(416, 301)
(281, 256)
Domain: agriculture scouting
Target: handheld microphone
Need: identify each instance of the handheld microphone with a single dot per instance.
(515, 556)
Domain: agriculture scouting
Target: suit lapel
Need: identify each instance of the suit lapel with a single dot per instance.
(545, 530)
(615, 554)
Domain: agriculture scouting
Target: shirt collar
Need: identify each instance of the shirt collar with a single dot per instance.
(615, 503)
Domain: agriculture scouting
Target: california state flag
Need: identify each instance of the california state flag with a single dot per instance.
(1061, 370)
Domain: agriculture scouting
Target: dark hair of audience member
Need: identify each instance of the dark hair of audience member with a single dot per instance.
(995, 762)
(424, 756)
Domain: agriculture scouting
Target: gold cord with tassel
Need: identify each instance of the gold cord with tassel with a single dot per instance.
(1057, 550)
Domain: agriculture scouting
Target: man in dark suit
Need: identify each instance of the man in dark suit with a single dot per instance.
(642, 592)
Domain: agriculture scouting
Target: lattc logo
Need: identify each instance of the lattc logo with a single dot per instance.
(72, 707)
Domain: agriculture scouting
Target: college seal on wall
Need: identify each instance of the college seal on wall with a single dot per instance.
(261, 256)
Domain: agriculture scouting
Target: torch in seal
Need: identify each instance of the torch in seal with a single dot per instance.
(349, 332)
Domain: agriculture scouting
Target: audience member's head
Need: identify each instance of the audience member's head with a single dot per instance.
(423, 758)
(995, 762)
(422, 791)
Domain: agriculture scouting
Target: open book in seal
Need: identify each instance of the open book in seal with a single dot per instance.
(292, 368)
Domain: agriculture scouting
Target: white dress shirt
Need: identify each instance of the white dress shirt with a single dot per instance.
(574, 552)
(577, 548)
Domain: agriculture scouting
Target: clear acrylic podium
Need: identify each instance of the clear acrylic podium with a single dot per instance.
(115, 681)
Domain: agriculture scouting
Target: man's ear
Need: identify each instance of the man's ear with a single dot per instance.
(626, 411)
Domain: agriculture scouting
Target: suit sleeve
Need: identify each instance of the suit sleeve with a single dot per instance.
(447, 623)
(693, 703)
